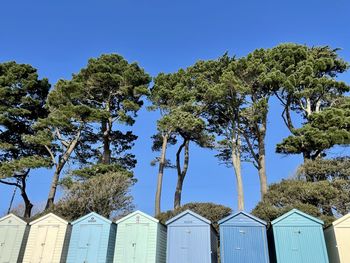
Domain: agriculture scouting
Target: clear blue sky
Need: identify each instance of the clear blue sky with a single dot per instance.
(58, 37)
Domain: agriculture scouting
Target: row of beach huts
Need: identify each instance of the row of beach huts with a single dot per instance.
(294, 237)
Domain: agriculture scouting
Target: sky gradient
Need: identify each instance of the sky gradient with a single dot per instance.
(58, 37)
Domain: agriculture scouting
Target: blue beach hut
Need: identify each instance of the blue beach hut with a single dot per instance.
(297, 238)
(191, 238)
(243, 239)
(92, 240)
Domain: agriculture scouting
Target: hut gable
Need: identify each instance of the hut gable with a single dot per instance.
(12, 219)
(343, 221)
(296, 217)
(92, 218)
(242, 218)
(50, 218)
(188, 218)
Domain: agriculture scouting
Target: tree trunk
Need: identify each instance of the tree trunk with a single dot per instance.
(27, 204)
(59, 166)
(161, 173)
(262, 157)
(106, 155)
(262, 175)
(53, 188)
(236, 161)
(181, 173)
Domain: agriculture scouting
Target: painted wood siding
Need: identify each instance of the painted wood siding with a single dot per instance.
(214, 246)
(13, 235)
(46, 241)
(243, 239)
(90, 240)
(298, 238)
(136, 237)
(161, 243)
(190, 239)
(331, 243)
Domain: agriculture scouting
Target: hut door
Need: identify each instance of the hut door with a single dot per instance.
(343, 244)
(94, 243)
(199, 248)
(49, 244)
(39, 244)
(287, 239)
(45, 244)
(311, 245)
(7, 241)
(84, 234)
(235, 245)
(136, 245)
(185, 245)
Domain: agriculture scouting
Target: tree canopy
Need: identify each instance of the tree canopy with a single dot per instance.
(22, 100)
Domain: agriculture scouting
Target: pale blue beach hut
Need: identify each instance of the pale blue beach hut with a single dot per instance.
(92, 240)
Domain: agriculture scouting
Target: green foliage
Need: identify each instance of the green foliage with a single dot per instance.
(111, 85)
(106, 193)
(13, 169)
(320, 199)
(92, 171)
(325, 169)
(324, 130)
(309, 76)
(22, 98)
(211, 211)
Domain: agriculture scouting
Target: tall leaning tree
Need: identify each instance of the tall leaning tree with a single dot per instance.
(22, 100)
(309, 84)
(183, 118)
(163, 101)
(257, 76)
(113, 85)
(61, 131)
(225, 97)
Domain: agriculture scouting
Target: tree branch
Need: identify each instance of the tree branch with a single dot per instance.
(9, 183)
(51, 155)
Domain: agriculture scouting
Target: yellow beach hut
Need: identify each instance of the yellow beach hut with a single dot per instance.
(48, 240)
(338, 240)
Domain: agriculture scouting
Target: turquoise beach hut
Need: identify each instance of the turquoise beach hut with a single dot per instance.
(243, 239)
(297, 238)
(13, 236)
(92, 240)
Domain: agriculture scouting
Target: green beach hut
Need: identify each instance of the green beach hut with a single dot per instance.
(140, 239)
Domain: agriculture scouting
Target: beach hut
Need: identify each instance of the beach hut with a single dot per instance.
(243, 239)
(298, 238)
(140, 239)
(338, 240)
(48, 240)
(13, 233)
(191, 238)
(92, 240)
